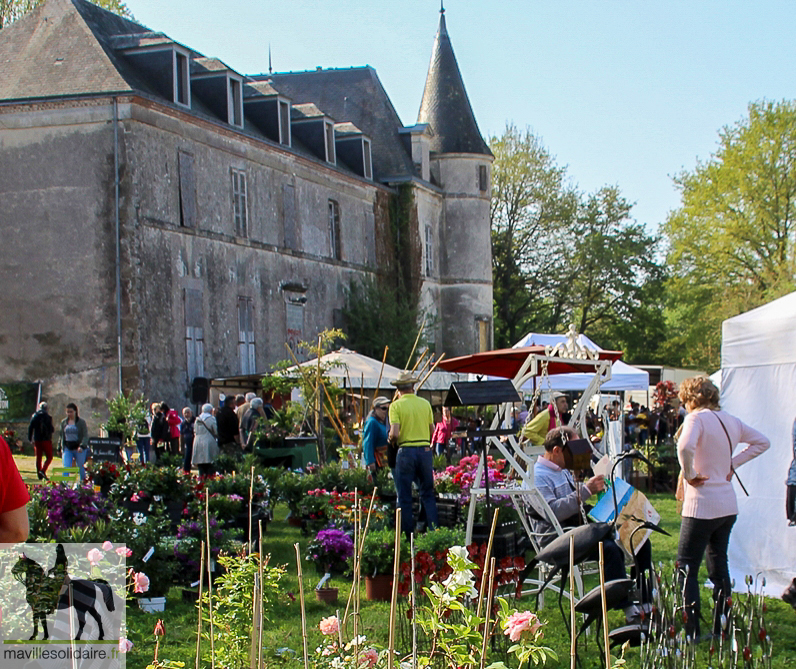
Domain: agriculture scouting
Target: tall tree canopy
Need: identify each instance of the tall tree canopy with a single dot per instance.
(560, 257)
(10, 10)
(732, 239)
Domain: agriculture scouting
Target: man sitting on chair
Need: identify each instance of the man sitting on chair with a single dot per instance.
(558, 488)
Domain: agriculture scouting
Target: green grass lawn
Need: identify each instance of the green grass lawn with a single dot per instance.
(284, 628)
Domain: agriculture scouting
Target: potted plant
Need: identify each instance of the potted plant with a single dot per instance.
(329, 551)
(125, 414)
(376, 564)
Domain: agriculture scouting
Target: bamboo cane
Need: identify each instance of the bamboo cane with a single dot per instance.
(209, 581)
(430, 372)
(251, 498)
(486, 561)
(605, 609)
(417, 339)
(426, 362)
(256, 609)
(414, 600)
(488, 609)
(359, 548)
(333, 417)
(357, 523)
(201, 582)
(303, 613)
(573, 651)
(394, 598)
(319, 415)
(260, 568)
(381, 372)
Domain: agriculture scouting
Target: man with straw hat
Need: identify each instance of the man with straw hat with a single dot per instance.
(411, 426)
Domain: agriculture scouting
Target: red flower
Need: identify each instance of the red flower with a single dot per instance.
(160, 628)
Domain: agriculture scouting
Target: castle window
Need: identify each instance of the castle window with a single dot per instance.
(235, 102)
(289, 216)
(483, 182)
(194, 334)
(239, 201)
(187, 190)
(329, 134)
(429, 250)
(284, 123)
(367, 158)
(246, 349)
(334, 230)
(182, 82)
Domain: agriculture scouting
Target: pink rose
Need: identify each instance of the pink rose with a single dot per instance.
(134, 497)
(107, 546)
(519, 623)
(330, 625)
(94, 556)
(140, 582)
(124, 552)
(370, 657)
(125, 645)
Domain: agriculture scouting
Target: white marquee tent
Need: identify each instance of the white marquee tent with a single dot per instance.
(758, 384)
(623, 376)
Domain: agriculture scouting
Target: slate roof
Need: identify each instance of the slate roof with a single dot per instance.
(445, 104)
(356, 95)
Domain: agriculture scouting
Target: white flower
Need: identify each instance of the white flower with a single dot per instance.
(462, 579)
(459, 551)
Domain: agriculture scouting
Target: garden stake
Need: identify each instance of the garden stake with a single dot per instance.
(394, 598)
(253, 652)
(260, 566)
(360, 548)
(412, 581)
(486, 559)
(199, 605)
(417, 339)
(357, 524)
(335, 420)
(251, 495)
(209, 581)
(573, 652)
(605, 609)
(422, 357)
(362, 394)
(430, 372)
(378, 383)
(303, 614)
(488, 609)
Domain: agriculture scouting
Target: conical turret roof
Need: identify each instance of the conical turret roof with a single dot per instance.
(445, 104)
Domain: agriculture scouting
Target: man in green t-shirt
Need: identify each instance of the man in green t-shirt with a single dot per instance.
(411, 426)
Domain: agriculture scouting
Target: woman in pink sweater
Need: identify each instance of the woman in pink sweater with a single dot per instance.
(705, 450)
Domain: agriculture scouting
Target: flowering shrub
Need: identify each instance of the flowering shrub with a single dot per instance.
(461, 477)
(356, 654)
(105, 473)
(329, 551)
(60, 508)
(191, 534)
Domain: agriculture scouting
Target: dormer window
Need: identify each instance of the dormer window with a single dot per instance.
(235, 101)
(284, 122)
(367, 159)
(182, 79)
(329, 134)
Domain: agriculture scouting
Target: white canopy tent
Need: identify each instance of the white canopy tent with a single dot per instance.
(758, 384)
(623, 376)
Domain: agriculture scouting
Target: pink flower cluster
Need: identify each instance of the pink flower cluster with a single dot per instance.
(519, 623)
(330, 625)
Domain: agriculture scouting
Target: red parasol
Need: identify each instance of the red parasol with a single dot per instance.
(506, 362)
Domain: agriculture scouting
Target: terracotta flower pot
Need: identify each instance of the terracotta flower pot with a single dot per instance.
(326, 595)
(378, 588)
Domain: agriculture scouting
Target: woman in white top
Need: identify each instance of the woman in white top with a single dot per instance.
(705, 450)
(205, 443)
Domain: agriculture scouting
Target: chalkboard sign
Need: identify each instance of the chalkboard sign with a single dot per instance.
(105, 449)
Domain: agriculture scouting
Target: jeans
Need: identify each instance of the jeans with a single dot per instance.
(186, 461)
(143, 449)
(73, 456)
(696, 535)
(414, 465)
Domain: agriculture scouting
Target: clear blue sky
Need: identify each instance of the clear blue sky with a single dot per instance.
(622, 92)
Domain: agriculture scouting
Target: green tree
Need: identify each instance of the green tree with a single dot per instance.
(732, 239)
(11, 10)
(533, 207)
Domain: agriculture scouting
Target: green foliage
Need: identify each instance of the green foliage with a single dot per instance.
(379, 551)
(152, 532)
(233, 606)
(559, 257)
(398, 323)
(439, 540)
(125, 414)
(732, 239)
